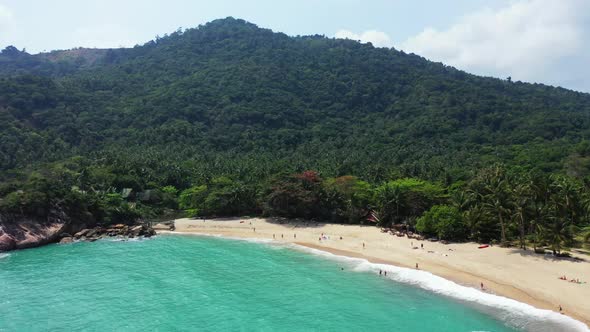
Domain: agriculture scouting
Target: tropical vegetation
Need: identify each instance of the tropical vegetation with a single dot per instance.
(231, 119)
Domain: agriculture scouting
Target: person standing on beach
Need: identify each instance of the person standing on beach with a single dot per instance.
(254, 229)
(416, 266)
(422, 245)
(363, 245)
(273, 236)
(481, 285)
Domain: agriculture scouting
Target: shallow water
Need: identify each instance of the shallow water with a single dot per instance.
(187, 283)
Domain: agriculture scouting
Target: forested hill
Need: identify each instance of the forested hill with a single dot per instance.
(230, 98)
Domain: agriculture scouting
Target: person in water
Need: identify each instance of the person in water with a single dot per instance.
(380, 272)
(385, 273)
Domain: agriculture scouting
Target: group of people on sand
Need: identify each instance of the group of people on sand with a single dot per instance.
(327, 237)
(577, 281)
(283, 236)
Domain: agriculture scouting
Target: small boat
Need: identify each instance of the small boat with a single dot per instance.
(483, 246)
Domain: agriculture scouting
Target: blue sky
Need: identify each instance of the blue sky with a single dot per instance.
(542, 41)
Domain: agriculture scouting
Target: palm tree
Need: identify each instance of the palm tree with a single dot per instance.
(390, 201)
(566, 192)
(540, 191)
(521, 199)
(560, 226)
(496, 197)
(558, 232)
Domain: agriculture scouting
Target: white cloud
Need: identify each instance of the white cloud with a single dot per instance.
(7, 26)
(377, 38)
(529, 40)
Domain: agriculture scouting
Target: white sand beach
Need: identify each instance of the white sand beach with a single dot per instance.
(510, 272)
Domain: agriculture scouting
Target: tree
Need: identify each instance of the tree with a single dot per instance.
(521, 202)
(351, 198)
(444, 221)
(492, 187)
(298, 195)
(405, 199)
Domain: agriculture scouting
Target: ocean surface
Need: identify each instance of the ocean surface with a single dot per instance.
(199, 283)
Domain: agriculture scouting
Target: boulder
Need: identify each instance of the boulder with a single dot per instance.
(136, 230)
(7, 242)
(81, 233)
(66, 239)
(91, 232)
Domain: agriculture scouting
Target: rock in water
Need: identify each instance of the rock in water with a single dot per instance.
(66, 240)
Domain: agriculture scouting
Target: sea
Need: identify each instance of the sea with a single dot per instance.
(207, 283)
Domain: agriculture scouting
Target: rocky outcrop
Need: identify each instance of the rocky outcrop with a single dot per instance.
(19, 232)
(119, 230)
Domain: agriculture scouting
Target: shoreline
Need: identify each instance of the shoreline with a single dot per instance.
(500, 275)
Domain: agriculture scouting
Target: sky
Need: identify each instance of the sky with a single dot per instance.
(543, 41)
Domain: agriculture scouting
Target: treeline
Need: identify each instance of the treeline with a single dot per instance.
(505, 206)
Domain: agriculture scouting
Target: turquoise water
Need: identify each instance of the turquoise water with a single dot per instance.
(187, 283)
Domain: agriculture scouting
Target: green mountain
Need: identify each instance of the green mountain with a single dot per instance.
(232, 119)
(232, 89)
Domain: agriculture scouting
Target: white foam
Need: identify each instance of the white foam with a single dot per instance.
(4, 255)
(516, 314)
